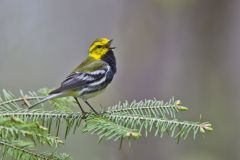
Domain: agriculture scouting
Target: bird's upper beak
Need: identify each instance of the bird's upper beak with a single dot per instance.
(108, 45)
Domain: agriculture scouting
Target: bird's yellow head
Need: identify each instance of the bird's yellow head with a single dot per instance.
(99, 48)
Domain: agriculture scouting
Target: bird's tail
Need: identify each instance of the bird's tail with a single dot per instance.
(51, 96)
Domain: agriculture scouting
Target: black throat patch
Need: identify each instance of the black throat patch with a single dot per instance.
(111, 60)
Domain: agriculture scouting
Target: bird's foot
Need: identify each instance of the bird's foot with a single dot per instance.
(85, 114)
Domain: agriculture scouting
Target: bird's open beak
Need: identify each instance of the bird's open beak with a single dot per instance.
(108, 45)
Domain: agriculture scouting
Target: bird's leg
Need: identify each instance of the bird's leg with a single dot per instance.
(91, 107)
(83, 112)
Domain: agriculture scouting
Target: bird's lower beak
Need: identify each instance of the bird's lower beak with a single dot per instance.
(108, 45)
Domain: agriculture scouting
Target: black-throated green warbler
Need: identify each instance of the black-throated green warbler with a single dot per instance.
(91, 77)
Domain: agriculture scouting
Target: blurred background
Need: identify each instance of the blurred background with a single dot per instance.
(188, 49)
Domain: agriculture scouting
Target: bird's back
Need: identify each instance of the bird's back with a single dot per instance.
(90, 78)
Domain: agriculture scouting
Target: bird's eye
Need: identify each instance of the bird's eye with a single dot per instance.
(99, 46)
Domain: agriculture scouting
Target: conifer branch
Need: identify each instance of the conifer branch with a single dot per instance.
(19, 150)
(14, 129)
(124, 121)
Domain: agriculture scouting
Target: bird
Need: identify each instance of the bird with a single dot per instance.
(89, 78)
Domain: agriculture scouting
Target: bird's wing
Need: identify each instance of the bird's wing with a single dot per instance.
(83, 76)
